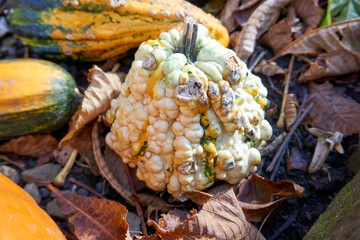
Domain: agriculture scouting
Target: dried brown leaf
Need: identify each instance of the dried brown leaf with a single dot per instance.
(256, 196)
(102, 89)
(332, 111)
(309, 11)
(35, 146)
(332, 64)
(226, 15)
(93, 218)
(63, 153)
(173, 218)
(220, 218)
(278, 35)
(83, 143)
(331, 38)
(259, 22)
(269, 69)
(111, 167)
(198, 197)
(152, 202)
(242, 14)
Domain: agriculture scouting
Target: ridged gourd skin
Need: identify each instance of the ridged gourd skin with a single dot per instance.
(21, 217)
(94, 30)
(187, 124)
(36, 96)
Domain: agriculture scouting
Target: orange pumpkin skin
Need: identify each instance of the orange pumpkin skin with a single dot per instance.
(21, 217)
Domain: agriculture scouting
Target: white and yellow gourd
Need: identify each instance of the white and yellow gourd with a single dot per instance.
(185, 124)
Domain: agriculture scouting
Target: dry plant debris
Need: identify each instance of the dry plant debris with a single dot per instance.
(102, 89)
(333, 111)
(326, 141)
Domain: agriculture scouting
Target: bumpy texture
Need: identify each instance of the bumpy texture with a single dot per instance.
(186, 124)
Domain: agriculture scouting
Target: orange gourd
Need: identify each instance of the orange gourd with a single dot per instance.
(20, 216)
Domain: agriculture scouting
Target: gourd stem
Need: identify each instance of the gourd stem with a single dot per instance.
(188, 44)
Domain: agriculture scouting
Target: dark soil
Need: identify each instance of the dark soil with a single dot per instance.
(290, 222)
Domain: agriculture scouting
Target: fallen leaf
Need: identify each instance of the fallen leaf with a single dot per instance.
(111, 168)
(35, 146)
(198, 197)
(332, 38)
(83, 143)
(93, 218)
(220, 218)
(295, 162)
(332, 64)
(309, 11)
(256, 196)
(278, 35)
(269, 69)
(226, 15)
(333, 111)
(152, 202)
(290, 110)
(259, 22)
(242, 14)
(173, 218)
(341, 10)
(102, 89)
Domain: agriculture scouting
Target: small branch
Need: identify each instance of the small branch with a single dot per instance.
(303, 102)
(262, 224)
(275, 163)
(280, 122)
(5, 158)
(86, 187)
(60, 178)
(257, 60)
(272, 86)
(137, 204)
(283, 227)
(305, 59)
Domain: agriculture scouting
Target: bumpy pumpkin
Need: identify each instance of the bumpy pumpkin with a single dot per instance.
(21, 217)
(35, 96)
(189, 113)
(93, 30)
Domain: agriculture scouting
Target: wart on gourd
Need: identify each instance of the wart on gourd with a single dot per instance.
(198, 121)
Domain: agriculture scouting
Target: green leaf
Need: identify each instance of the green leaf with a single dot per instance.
(341, 10)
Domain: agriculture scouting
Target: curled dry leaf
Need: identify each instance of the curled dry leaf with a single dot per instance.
(256, 196)
(111, 168)
(325, 143)
(333, 111)
(339, 41)
(332, 64)
(93, 218)
(269, 69)
(291, 110)
(259, 22)
(35, 146)
(102, 89)
(279, 35)
(220, 218)
(83, 143)
(309, 11)
(226, 15)
(242, 14)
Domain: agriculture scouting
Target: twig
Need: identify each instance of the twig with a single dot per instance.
(303, 102)
(137, 204)
(305, 59)
(257, 60)
(116, 67)
(60, 178)
(280, 122)
(5, 158)
(273, 145)
(276, 160)
(86, 187)
(272, 86)
(262, 224)
(283, 227)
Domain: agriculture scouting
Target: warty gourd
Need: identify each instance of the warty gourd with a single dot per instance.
(188, 116)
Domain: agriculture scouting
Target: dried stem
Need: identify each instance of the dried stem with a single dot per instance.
(137, 203)
(86, 187)
(275, 163)
(283, 227)
(262, 224)
(280, 122)
(5, 158)
(60, 178)
(188, 44)
(257, 60)
(305, 59)
(272, 86)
